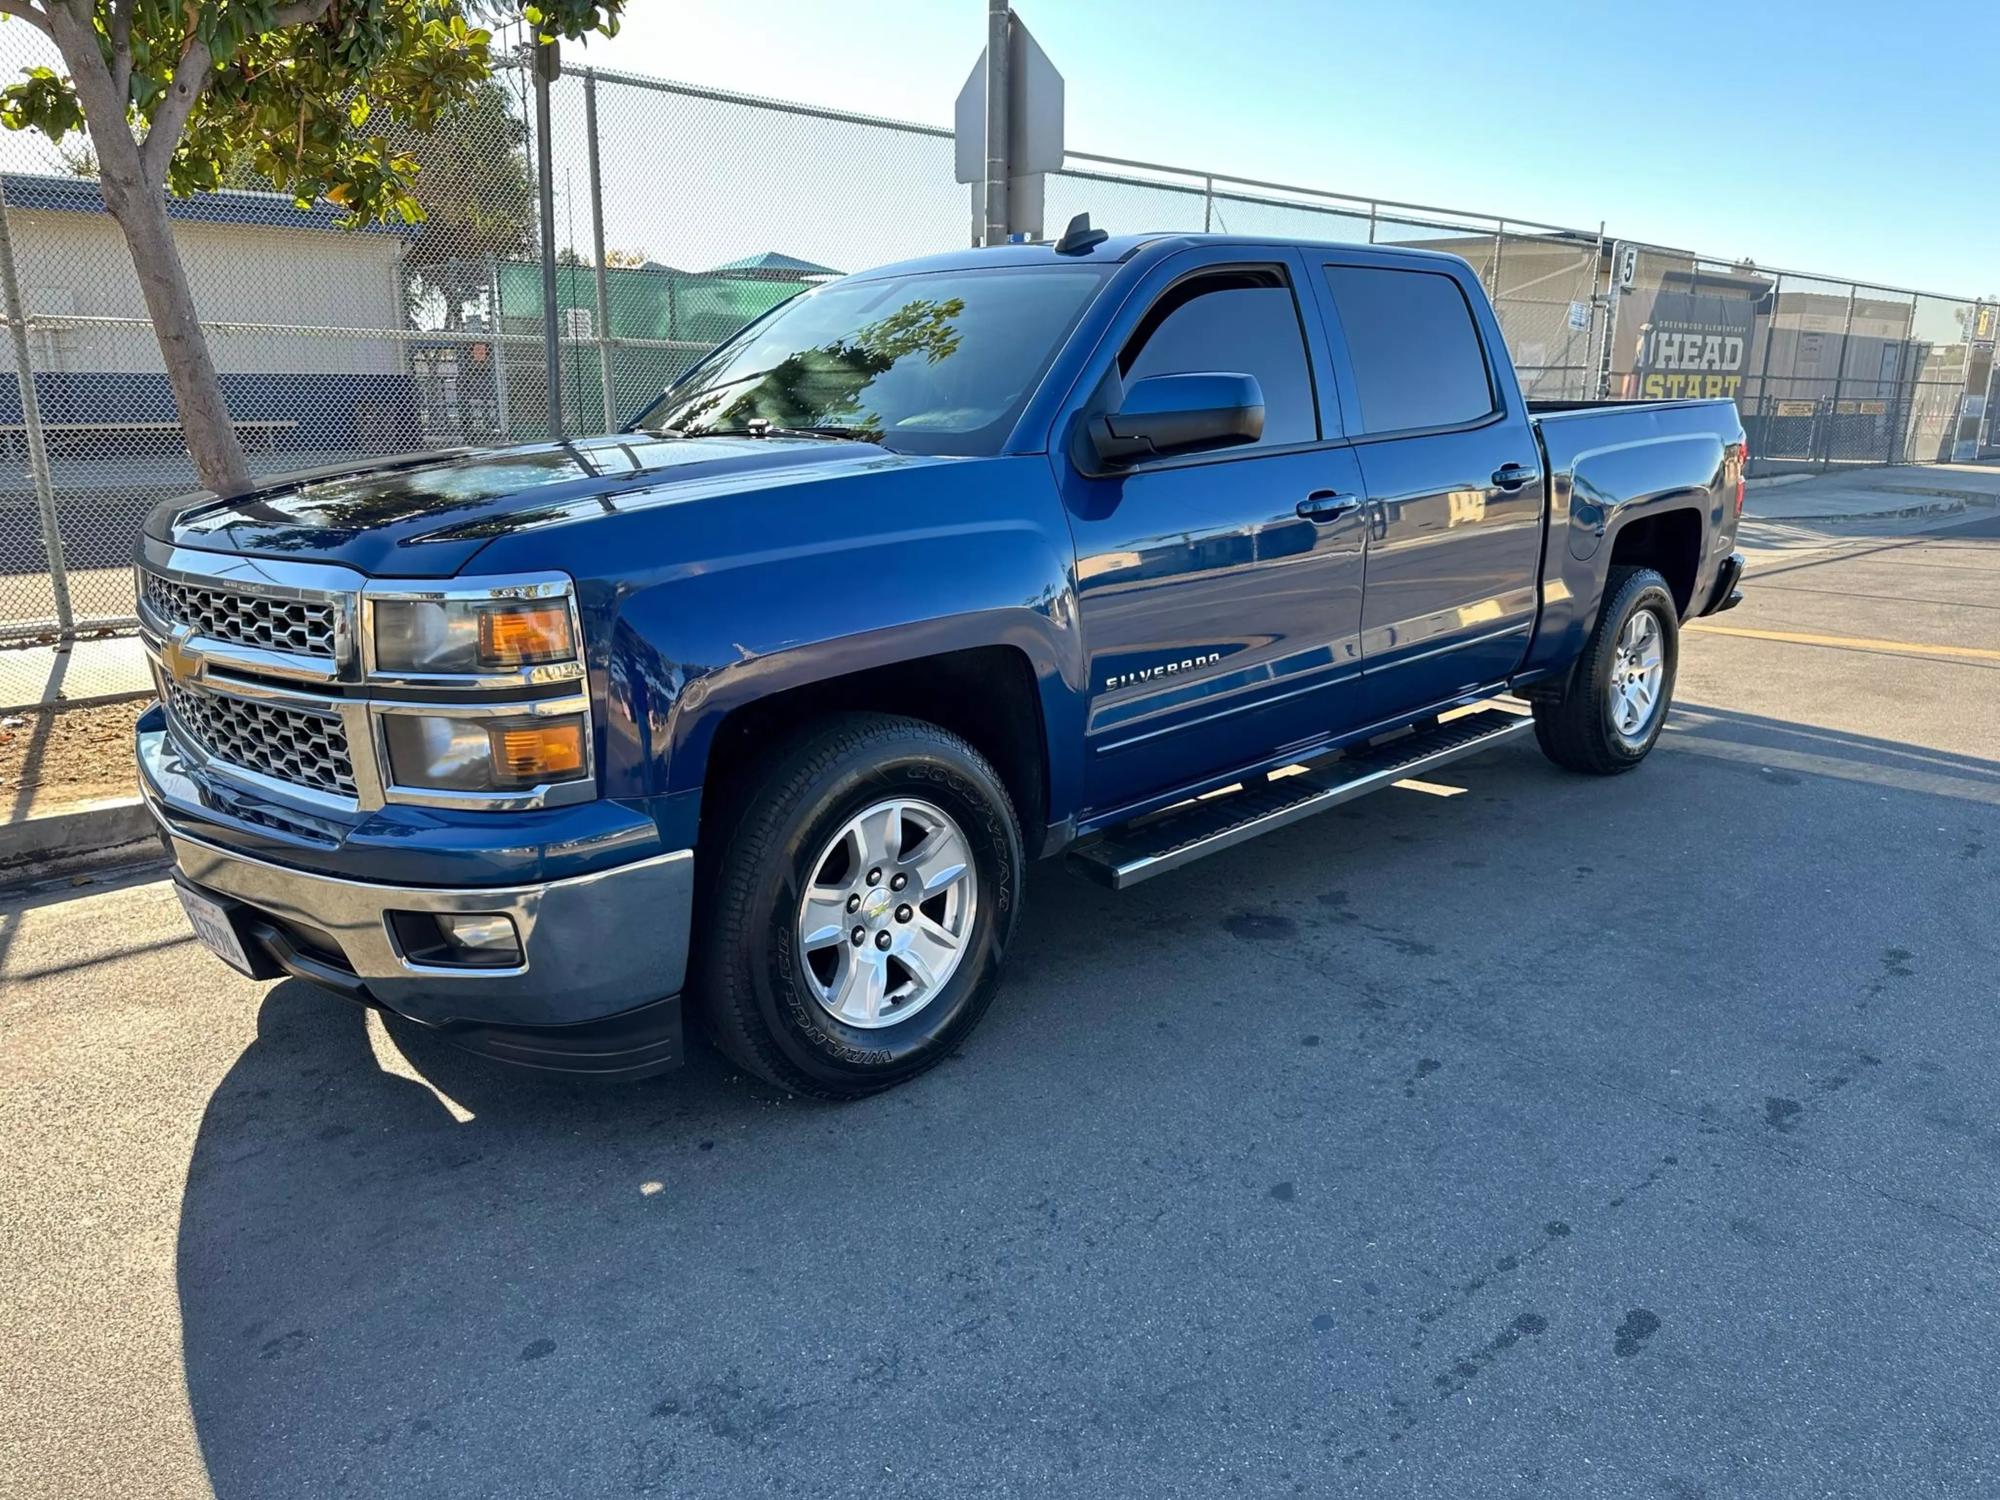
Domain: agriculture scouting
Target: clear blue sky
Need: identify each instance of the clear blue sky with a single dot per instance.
(1839, 137)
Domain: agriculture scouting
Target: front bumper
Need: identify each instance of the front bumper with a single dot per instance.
(602, 955)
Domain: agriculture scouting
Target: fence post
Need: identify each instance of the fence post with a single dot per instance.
(545, 68)
(1898, 448)
(1207, 203)
(597, 240)
(1583, 384)
(31, 428)
(1764, 407)
(498, 348)
(1614, 291)
(1840, 375)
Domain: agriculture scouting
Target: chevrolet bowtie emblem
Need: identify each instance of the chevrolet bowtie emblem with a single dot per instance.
(180, 659)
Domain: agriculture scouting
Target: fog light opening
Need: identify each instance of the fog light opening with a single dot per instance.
(469, 940)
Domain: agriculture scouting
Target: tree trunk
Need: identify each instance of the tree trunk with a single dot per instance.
(211, 439)
(133, 193)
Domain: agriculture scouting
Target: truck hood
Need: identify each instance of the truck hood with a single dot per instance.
(426, 515)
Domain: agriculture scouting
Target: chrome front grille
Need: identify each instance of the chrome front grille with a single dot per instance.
(299, 627)
(286, 744)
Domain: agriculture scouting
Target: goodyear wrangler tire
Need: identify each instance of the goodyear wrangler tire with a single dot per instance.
(865, 887)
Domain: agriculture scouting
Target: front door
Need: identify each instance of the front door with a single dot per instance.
(1454, 484)
(1220, 593)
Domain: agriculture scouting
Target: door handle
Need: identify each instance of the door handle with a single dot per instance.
(1514, 476)
(1328, 505)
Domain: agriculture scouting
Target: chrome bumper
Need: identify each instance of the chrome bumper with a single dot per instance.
(592, 946)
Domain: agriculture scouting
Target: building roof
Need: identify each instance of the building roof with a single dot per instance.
(775, 263)
(82, 195)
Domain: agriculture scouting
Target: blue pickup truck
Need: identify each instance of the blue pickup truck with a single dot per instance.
(1120, 549)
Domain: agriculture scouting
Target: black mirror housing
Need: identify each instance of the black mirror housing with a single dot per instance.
(1165, 414)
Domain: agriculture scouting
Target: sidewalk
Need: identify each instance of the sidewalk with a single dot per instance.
(1875, 494)
(98, 669)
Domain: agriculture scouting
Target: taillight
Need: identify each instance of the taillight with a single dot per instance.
(1742, 473)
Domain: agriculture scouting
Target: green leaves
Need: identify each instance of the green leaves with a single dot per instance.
(45, 102)
(312, 107)
(567, 18)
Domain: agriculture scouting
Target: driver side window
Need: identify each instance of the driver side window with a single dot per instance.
(1241, 321)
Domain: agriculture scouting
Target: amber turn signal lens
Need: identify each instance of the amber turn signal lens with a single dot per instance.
(538, 752)
(520, 635)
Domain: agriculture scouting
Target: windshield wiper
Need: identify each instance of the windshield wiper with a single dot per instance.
(766, 429)
(828, 430)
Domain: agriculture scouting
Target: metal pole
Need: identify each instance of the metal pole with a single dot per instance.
(999, 43)
(1590, 334)
(597, 241)
(1607, 354)
(499, 354)
(1895, 405)
(1207, 203)
(1989, 427)
(545, 67)
(31, 426)
(1840, 373)
(1765, 411)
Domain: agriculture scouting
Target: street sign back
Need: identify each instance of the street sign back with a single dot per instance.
(1034, 112)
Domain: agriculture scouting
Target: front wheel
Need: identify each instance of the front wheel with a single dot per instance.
(1614, 705)
(863, 894)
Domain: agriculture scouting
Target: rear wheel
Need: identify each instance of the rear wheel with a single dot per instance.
(1611, 711)
(862, 897)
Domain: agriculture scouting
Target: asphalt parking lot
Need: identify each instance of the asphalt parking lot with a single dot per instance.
(1551, 1137)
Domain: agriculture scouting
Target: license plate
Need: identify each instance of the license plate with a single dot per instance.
(211, 924)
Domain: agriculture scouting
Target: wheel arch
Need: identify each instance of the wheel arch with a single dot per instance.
(992, 696)
(1666, 539)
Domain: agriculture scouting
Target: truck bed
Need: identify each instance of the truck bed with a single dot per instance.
(1607, 403)
(1612, 465)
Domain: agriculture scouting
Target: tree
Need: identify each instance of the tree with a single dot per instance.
(477, 197)
(472, 186)
(826, 385)
(319, 95)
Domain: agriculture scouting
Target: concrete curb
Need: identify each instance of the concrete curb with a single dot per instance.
(38, 847)
(1971, 497)
(1895, 513)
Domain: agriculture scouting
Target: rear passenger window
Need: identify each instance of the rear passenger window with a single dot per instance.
(1414, 347)
(1242, 322)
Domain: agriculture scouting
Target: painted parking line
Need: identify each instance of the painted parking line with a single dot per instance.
(1848, 642)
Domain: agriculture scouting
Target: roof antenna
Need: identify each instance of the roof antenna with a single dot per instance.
(1079, 237)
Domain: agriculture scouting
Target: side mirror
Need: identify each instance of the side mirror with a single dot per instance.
(1179, 414)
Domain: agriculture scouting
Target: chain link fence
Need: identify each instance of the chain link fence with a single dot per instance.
(679, 214)
(1826, 373)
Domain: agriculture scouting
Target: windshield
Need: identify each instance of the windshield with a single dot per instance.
(941, 363)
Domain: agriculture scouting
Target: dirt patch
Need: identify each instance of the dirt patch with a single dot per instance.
(51, 759)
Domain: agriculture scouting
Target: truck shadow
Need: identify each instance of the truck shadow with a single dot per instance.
(1780, 751)
(406, 1270)
(362, 1198)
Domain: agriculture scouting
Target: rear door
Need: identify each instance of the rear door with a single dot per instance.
(1220, 592)
(1452, 473)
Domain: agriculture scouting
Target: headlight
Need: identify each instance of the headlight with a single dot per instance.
(485, 753)
(472, 636)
